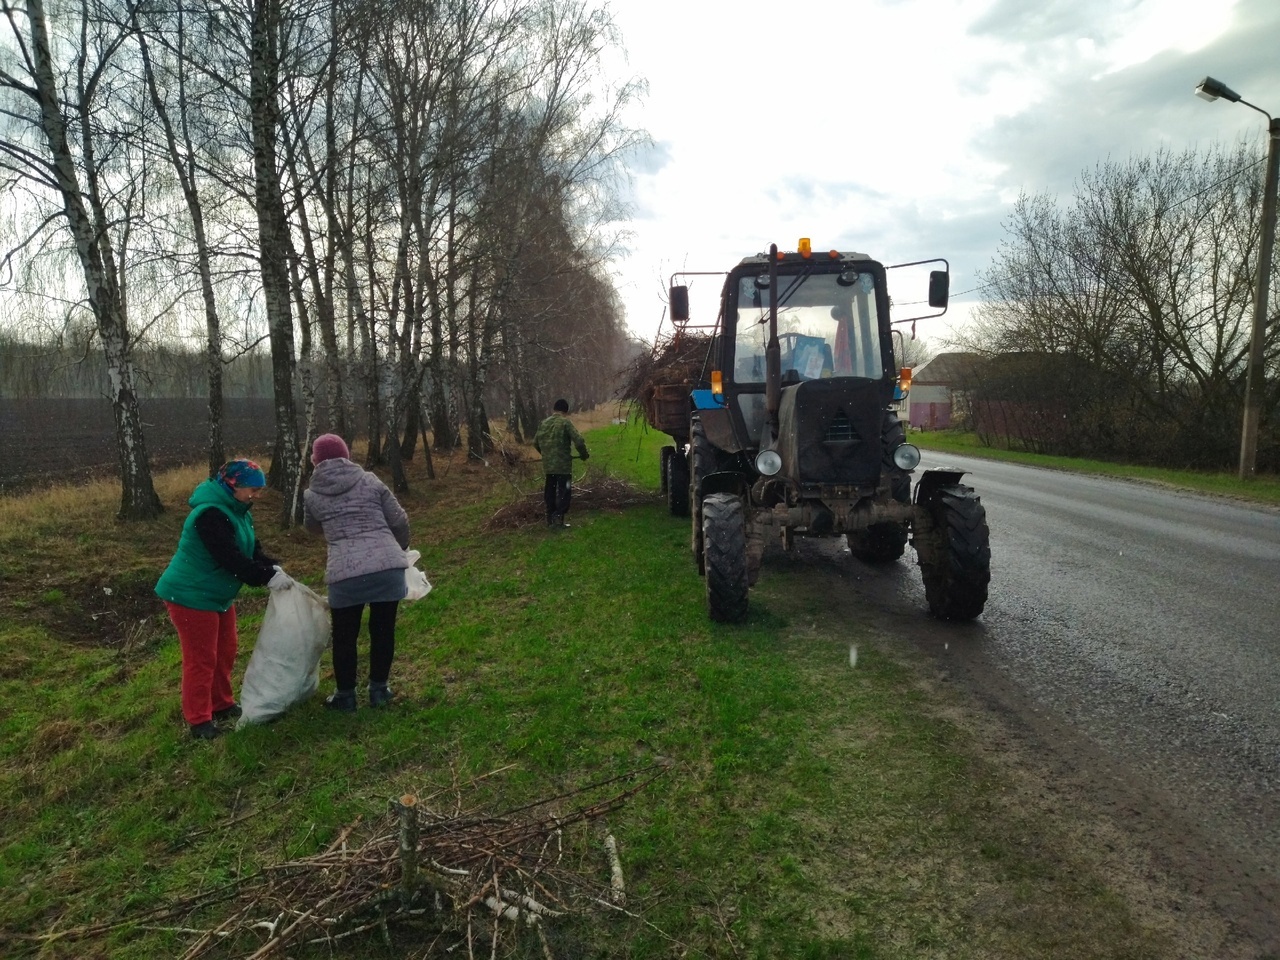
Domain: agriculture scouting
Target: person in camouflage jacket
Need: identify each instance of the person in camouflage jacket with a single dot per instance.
(554, 440)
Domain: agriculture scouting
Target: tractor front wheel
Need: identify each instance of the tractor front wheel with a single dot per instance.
(955, 554)
(724, 539)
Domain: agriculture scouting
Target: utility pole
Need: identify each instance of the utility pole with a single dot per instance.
(1211, 89)
(1262, 284)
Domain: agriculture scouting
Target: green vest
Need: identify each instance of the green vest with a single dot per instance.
(193, 578)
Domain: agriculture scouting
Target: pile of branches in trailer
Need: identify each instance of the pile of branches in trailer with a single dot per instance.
(458, 884)
(676, 360)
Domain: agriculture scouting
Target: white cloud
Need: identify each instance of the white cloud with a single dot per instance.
(906, 129)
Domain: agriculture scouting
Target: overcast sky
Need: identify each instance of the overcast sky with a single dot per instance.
(906, 129)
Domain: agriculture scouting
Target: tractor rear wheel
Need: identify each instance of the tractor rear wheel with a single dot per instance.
(725, 553)
(677, 484)
(886, 542)
(883, 542)
(879, 543)
(956, 560)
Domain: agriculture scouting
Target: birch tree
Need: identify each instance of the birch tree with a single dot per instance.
(180, 151)
(59, 119)
(274, 241)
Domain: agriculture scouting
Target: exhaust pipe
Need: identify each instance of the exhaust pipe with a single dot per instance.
(773, 353)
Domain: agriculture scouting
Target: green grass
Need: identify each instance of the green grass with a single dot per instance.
(808, 809)
(1263, 488)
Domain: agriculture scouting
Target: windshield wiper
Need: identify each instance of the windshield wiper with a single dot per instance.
(795, 284)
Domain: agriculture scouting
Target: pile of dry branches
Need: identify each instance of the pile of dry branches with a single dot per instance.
(676, 359)
(469, 881)
(595, 491)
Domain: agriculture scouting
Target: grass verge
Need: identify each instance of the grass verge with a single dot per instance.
(811, 807)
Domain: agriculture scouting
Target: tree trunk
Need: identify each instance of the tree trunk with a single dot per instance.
(186, 171)
(272, 257)
(307, 379)
(409, 445)
(138, 499)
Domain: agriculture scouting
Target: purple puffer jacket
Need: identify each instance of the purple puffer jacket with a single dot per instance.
(366, 528)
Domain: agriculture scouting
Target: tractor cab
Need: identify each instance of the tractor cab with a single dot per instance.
(831, 341)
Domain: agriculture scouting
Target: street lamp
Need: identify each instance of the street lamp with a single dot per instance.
(1211, 89)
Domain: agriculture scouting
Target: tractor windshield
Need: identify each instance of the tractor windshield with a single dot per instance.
(824, 329)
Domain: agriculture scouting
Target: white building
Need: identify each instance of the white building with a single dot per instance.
(937, 390)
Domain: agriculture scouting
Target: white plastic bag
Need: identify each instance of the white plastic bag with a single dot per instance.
(285, 666)
(416, 583)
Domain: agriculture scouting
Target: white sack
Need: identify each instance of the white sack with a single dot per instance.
(285, 666)
(416, 583)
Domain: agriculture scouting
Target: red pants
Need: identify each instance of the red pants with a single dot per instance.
(209, 642)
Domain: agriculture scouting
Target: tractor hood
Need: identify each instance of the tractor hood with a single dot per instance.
(829, 431)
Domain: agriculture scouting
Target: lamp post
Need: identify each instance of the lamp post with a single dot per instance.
(1211, 89)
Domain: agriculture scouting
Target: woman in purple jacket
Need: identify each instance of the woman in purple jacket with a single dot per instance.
(367, 532)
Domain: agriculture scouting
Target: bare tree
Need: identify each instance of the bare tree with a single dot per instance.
(181, 153)
(427, 211)
(913, 351)
(62, 146)
(1142, 284)
(274, 240)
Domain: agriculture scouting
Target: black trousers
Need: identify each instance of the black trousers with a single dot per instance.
(382, 641)
(557, 491)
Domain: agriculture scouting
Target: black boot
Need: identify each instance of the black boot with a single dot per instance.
(379, 694)
(343, 701)
(205, 731)
(232, 712)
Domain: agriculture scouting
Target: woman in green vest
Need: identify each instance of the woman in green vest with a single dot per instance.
(217, 554)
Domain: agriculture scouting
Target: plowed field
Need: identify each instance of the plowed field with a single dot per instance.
(43, 441)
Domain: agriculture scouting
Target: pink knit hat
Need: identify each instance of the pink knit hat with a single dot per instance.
(329, 446)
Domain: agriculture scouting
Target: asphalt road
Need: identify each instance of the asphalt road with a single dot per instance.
(1137, 629)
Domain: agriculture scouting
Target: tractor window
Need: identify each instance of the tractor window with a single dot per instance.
(824, 330)
(748, 353)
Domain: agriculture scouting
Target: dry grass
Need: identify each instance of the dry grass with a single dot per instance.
(85, 504)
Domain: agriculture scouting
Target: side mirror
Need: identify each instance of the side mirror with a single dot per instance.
(939, 288)
(679, 304)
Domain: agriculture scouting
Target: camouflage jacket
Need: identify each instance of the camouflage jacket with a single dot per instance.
(554, 439)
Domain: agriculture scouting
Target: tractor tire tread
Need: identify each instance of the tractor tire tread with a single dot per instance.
(725, 553)
(956, 583)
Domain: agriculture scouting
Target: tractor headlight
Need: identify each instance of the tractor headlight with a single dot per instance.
(906, 456)
(768, 462)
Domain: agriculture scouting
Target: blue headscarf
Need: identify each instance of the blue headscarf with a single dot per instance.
(241, 473)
